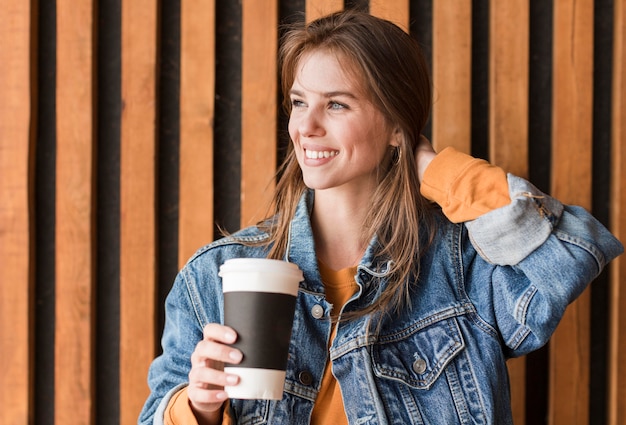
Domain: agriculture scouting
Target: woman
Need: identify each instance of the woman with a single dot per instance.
(423, 273)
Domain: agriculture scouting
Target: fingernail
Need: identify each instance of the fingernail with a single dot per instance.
(221, 395)
(231, 379)
(235, 356)
(230, 336)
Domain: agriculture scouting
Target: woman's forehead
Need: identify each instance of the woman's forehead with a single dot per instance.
(330, 66)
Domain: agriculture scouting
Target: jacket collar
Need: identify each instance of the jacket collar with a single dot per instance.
(301, 245)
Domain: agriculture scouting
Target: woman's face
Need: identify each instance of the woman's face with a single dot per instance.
(340, 138)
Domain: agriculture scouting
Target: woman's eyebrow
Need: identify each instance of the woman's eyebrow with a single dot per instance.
(340, 93)
(296, 92)
(329, 94)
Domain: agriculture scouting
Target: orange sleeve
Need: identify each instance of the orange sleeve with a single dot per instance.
(465, 187)
(178, 411)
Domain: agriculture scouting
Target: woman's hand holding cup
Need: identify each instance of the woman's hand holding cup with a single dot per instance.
(207, 377)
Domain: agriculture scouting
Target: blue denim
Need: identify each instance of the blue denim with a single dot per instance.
(489, 289)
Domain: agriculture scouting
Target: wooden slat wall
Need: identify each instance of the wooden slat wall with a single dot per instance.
(316, 8)
(74, 236)
(452, 80)
(258, 97)
(15, 218)
(617, 361)
(396, 11)
(137, 201)
(197, 91)
(455, 52)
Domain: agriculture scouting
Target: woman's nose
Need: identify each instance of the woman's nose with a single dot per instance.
(310, 124)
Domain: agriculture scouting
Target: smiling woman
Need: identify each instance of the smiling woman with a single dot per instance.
(536, 87)
(418, 266)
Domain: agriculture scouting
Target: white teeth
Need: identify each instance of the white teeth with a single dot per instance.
(319, 154)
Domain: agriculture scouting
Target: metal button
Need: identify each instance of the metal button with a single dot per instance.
(305, 378)
(419, 366)
(317, 311)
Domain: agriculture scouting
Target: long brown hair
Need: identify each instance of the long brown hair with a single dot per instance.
(392, 68)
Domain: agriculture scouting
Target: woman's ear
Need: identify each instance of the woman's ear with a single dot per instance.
(396, 137)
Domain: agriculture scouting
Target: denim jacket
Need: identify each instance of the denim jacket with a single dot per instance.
(489, 289)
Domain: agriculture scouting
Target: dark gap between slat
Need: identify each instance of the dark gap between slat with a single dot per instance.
(168, 154)
(44, 20)
(421, 28)
(480, 79)
(108, 109)
(227, 130)
(601, 187)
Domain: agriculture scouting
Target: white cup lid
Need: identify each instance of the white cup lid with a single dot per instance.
(260, 265)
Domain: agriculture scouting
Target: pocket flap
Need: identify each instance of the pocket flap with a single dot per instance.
(417, 356)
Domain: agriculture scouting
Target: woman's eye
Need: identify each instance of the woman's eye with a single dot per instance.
(296, 103)
(337, 105)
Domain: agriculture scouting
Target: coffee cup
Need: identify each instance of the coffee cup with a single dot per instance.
(259, 304)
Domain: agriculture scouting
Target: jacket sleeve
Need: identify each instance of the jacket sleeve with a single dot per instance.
(542, 254)
(184, 322)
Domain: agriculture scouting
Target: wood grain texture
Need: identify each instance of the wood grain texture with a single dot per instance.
(317, 8)
(258, 108)
(508, 85)
(197, 93)
(617, 356)
(396, 11)
(137, 203)
(74, 236)
(452, 75)
(15, 214)
(571, 183)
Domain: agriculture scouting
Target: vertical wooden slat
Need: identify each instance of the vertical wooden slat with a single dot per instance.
(508, 85)
(452, 75)
(508, 123)
(74, 244)
(317, 8)
(137, 203)
(197, 91)
(396, 11)
(15, 229)
(571, 183)
(258, 107)
(617, 355)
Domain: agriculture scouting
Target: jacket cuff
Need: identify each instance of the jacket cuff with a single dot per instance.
(508, 235)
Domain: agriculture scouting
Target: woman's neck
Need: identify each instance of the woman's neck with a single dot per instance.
(338, 229)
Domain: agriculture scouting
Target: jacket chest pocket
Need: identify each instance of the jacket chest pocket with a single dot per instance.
(417, 356)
